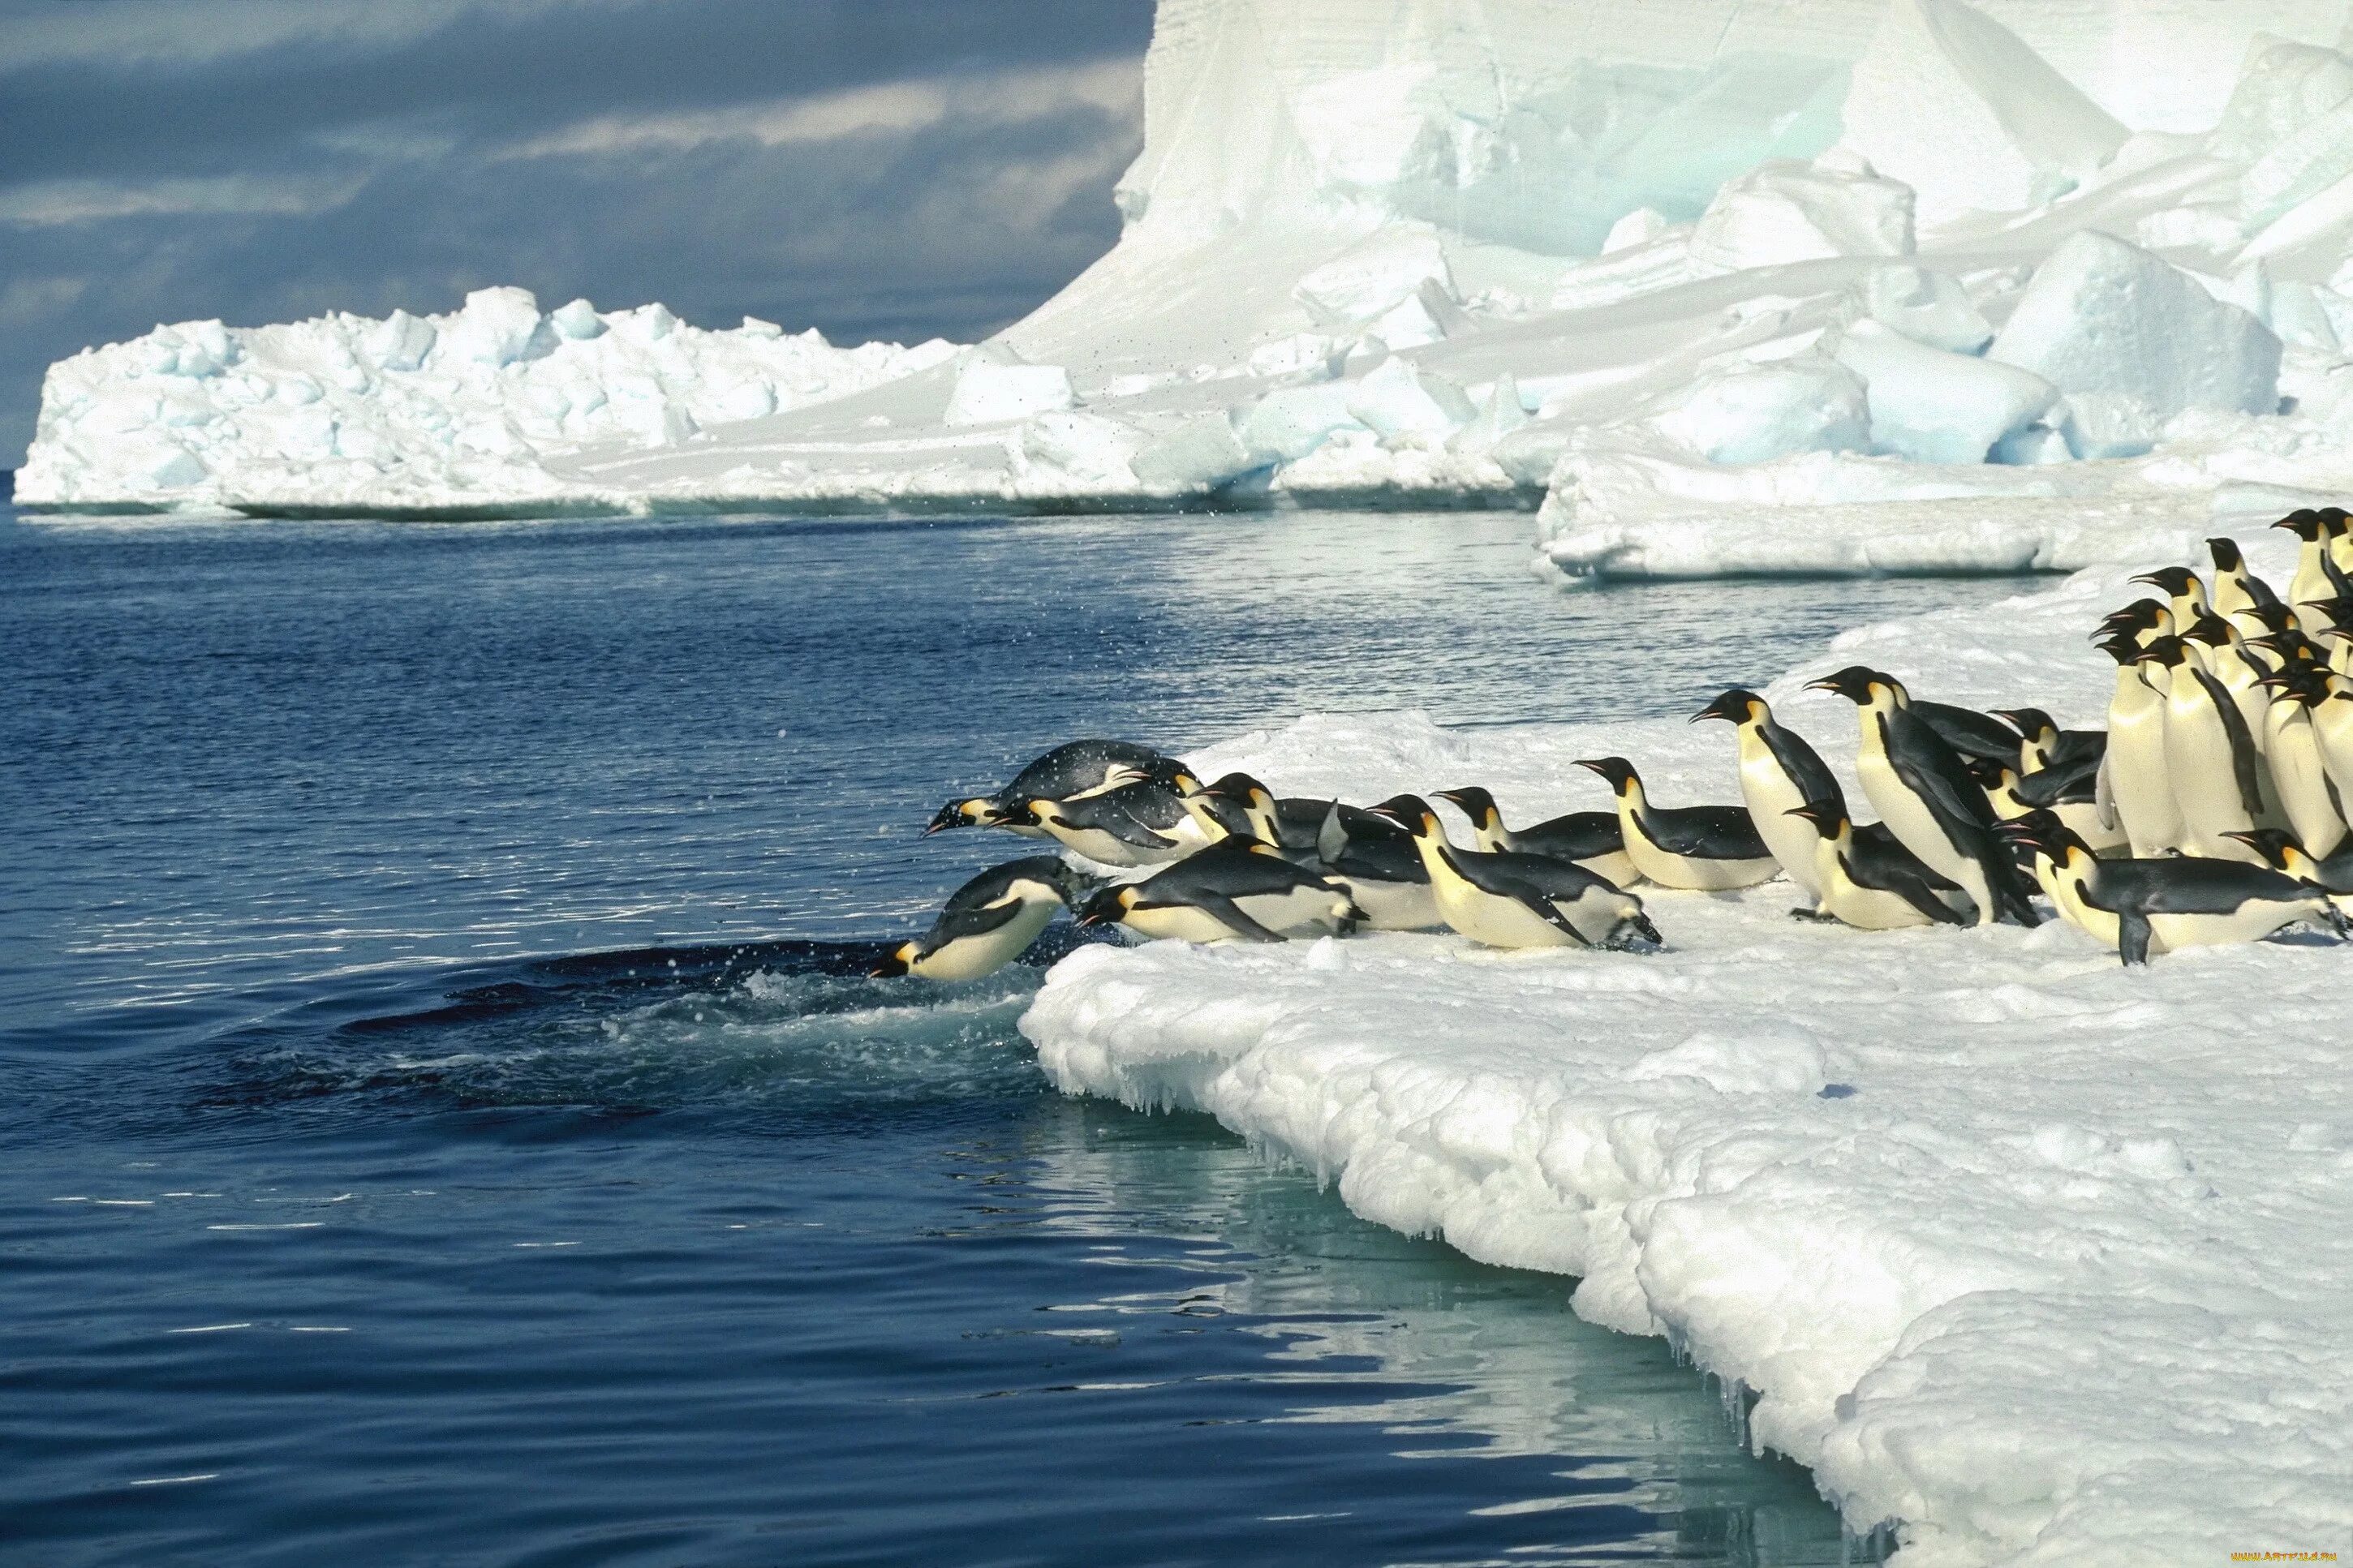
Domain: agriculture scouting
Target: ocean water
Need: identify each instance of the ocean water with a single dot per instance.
(448, 1121)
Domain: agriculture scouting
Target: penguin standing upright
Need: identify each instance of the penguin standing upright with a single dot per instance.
(990, 921)
(2240, 596)
(2185, 594)
(1926, 798)
(2299, 774)
(2210, 757)
(2136, 792)
(1780, 773)
(1701, 848)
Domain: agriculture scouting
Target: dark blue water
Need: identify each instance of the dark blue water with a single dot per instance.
(446, 1122)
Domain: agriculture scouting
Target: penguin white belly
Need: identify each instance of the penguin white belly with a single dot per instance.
(2205, 779)
(2332, 733)
(1495, 921)
(2137, 783)
(2302, 780)
(1769, 796)
(1866, 908)
(1302, 911)
(2251, 921)
(1616, 867)
(970, 957)
(1917, 829)
(2067, 896)
(1395, 906)
(1180, 922)
(1669, 869)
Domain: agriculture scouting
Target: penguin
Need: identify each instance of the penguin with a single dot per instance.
(1131, 825)
(2136, 792)
(2331, 708)
(2239, 666)
(1382, 871)
(1779, 773)
(2299, 774)
(1701, 848)
(2239, 592)
(990, 921)
(2185, 594)
(2065, 793)
(1066, 773)
(2140, 620)
(2163, 906)
(2283, 853)
(1926, 798)
(1873, 883)
(1592, 839)
(2210, 757)
(1506, 899)
(2310, 587)
(1237, 890)
(2339, 527)
(2047, 745)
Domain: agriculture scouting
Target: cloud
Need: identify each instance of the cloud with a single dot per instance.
(190, 35)
(48, 202)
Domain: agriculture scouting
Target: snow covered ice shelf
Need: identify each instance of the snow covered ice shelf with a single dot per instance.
(2044, 1259)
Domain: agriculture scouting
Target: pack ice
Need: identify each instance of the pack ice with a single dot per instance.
(1863, 285)
(2033, 1259)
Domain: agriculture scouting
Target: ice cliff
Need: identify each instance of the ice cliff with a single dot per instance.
(1728, 286)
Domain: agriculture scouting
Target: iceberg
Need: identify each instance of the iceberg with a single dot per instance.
(1772, 287)
(2030, 1259)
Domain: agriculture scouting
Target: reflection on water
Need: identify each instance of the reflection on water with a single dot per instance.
(339, 1225)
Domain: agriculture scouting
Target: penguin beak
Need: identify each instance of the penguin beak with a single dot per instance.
(1719, 709)
(894, 965)
(949, 816)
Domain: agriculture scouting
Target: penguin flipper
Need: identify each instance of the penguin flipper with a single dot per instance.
(1235, 918)
(2243, 744)
(977, 921)
(1932, 770)
(2132, 936)
(1331, 837)
(1915, 891)
(1538, 904)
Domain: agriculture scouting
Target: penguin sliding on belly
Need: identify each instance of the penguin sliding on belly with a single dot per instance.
(1871, 882)
(1780, 773)
(1592, 839)
(2283, 853)
(1067, 773)
(990, 921)
(1382, 871)
(2163, 906)
(1503, 898)
(1927, 798)
(1701, 848)
(1237, 889)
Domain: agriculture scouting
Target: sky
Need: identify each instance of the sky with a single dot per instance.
(874, 168)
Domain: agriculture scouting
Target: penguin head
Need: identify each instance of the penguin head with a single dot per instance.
(2140, 615)
(2122, 648)
(1034, 813)
(2167, 651)
(1633, 925)
(1616, 772)
(1857, 683)
(2179, 580)
(2275, 618)
(1828, 818)
(977, 812)
(2211, 629)
(2032, 722)
(2280, 849)
(895, 962)
(1411, 812)
(2305, 524)
(1108, 907)
(1184, 784)
(1739, 705)
(1473, 802)
(2334, 519)
(2226, 555)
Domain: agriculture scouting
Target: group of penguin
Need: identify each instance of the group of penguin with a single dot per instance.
(2211, 809)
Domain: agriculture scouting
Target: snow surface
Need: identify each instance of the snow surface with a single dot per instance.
(2042, 1258)
(1679, 269)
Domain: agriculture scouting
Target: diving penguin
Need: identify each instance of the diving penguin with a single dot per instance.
(1592, 839)
(1506, 898)
(1873, 883)
(1066, 773)
(1701, 848)
(1780, 773)
(1927, 798)
(1139, 823)
(990, 921)
(1237, 890)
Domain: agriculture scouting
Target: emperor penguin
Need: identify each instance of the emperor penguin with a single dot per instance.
(2281, 851)
(2067, 793)
(2136, 791)
(1506, 898)
(2299, 772)
(990, 921)
(1592, 839)
(2240, 595)
(2310, 589)
(2163, 906)
(2046, 744)
(1382, 871)
(1068, 771)
(2339, 525)
(2210, 757)
(2186, 595)
(1700, 848)
(2140, 620)
(1780, 773)
(1926, 798)
(1237, 890)
(1971, 734)
(1134, 825)
(1873, 883)
(2331, 708)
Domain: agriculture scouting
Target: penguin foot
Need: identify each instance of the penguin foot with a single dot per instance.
(1815, 917)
